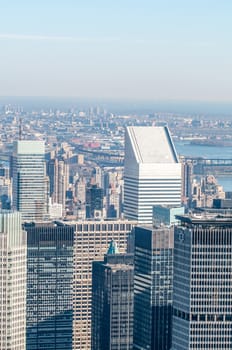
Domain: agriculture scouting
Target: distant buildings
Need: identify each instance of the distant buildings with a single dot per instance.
(13, 271)
(152, 172)
(202, 305)
(49, 286)
(112, 302)
(153, 291)
(29, 180)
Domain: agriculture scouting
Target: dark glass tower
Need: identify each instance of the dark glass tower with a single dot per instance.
(49, 286)
(94, 201)
(153, 288)
(112, 302)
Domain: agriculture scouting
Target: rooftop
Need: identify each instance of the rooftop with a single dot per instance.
(152, 144)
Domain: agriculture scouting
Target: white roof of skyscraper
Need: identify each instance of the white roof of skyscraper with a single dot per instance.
(152, 144)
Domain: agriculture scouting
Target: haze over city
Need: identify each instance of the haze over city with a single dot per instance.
(150, 50)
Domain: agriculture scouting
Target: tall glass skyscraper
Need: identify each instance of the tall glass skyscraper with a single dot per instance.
(202, 298)
(49, 286)
(13, 253)
(29, 180)
(152, 172)
(113, 302)
(153, 277)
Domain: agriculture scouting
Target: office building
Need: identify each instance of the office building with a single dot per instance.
(13, 252)
(166, 215)
(49, 286)
(152, 172)
(29, 180)
(202, 300)
(58, 172)
(92, 239)
(153, 279)
(113, 301)
(94, 202)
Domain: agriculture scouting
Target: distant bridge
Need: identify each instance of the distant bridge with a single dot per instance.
(202, 166)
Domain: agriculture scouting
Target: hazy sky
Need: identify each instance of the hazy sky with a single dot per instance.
(137, 49)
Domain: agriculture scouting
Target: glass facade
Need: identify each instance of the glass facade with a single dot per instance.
(112, 303)
(153, 288)
(29, 190)
(91, 242)
(202, 306)
(49, 286)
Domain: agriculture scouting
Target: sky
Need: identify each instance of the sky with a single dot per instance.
(118, 49)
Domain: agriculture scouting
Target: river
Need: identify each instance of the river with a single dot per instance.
(184, 148)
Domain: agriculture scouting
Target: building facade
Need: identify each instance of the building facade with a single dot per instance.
(202, 301)
(153, 280)
(13, 252)
(91, 241)
(152, 172)
(29, 180)
(113, 302)
(49, 286)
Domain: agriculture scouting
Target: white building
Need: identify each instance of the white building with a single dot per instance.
(29, 179)
(13, 251)
(152, 172)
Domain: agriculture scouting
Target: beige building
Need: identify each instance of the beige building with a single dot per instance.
(91, 242)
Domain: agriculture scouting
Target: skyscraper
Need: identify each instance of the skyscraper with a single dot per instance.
(91, 241)
(153, 276)
(152, 172)
(13, 252)
(49, 286)
(29, 180)
(202, 298)
(112, 302)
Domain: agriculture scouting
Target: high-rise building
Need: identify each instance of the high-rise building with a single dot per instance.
(94, 202)
(49, 286)
(58, 172)
(13, 252)
(91, 241)
(166, 215)
(112, 302)
(202, 299)
(152, 172)
(29, 180)
(153, 278)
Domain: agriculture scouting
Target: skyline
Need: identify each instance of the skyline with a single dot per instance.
(151, 51)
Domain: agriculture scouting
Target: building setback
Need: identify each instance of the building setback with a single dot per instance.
(152, 172)
(49, 286)
(112, 303)
(202, 299)
(13, 252)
